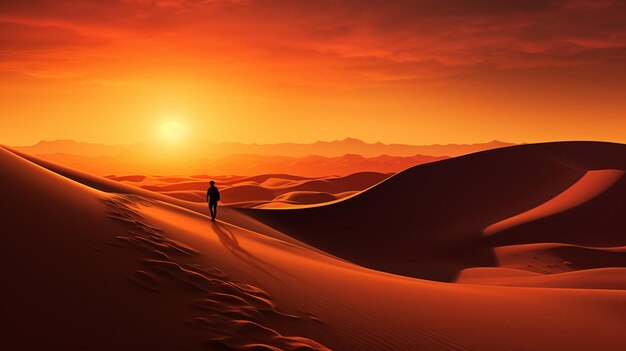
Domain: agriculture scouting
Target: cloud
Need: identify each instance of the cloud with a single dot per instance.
(27, 37)
(382, 40)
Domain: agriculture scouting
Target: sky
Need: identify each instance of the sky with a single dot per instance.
(416, 72)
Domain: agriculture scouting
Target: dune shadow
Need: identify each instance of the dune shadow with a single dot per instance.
(229, 240)
(427, 222)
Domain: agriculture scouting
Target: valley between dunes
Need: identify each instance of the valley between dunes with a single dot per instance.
(518, 248)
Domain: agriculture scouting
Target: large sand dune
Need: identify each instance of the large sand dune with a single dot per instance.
(95, 264)
(430, 221)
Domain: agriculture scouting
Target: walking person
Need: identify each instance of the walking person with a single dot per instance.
(212, 197)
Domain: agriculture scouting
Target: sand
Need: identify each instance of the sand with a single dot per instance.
(92, 263)
(263, 191)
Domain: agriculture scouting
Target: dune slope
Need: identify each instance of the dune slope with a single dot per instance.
(97, 270)
(429, 221)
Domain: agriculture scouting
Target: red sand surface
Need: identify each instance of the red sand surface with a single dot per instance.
(94, 264)
(267, 190)
(602, 278)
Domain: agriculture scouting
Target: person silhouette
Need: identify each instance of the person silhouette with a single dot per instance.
(212, 197)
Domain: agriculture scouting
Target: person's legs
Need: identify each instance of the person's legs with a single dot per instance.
(213, 209)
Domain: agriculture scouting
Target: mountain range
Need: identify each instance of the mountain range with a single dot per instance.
(322, 158)
(211, 149)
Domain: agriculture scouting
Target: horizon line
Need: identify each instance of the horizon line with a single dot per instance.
(346, 139)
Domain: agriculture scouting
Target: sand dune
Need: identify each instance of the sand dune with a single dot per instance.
(275, 182)
(131, 178)
(242, 193)
(306, 197)
(333, 185)
(596, 222)
(198, 196)
(602, 278)
(428, 221)
(113, 266)
(590, 185)
(260, 190)
(79, 277)
(548, 258)
(107, 185)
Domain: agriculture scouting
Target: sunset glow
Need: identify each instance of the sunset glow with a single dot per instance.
(416, 72)
(321, 175)
(173, 131)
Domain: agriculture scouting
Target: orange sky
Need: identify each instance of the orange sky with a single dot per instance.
(415, 72)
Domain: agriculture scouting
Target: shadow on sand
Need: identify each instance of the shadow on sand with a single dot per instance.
(230, 241)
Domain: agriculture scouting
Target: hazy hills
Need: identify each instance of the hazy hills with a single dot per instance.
(321, 148)
(310, 166)
(322, 158)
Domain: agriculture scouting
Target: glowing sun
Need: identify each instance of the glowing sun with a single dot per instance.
(172, 131)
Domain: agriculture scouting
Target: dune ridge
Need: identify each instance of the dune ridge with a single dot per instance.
(590, 185)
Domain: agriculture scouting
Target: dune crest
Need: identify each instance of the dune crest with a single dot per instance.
(592, 184)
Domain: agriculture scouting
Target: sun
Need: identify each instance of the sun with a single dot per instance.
(172, 131)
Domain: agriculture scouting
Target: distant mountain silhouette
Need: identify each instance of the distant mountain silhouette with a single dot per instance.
(356, 146)
(310, 166)
(212, 150)
(322, 158)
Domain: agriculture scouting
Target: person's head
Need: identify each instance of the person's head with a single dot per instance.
(212, 183)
